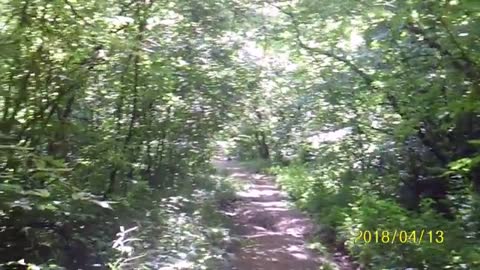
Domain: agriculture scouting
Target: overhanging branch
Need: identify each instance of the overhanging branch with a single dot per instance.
(367, 78)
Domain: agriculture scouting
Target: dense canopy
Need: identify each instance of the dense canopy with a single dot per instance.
(367, 112)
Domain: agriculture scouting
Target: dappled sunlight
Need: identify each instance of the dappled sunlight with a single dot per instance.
(239, 175)
(295, 226)
(273, 232)
(256, 193)
(178, 134)
(331, 136)
(297, 252)
(257, 176)
(272, 206)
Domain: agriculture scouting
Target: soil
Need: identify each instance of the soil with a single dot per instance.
(274, 235)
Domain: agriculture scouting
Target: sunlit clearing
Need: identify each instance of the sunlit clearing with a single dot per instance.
(356, 40)
(251, 50)
(332, 136)
(253, 53)
(119, 20)
(268, 11)
(332, 25)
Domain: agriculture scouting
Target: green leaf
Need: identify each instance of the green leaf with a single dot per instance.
(40, 163)
(460, 164)
(47, 206)
(474, 142)
(58, 163)
(471, 4)
(14, 147)
(38, 192)
(11, 188)
(81, 196)
(464, 164)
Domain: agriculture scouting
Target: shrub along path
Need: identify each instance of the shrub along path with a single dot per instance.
(273, 235)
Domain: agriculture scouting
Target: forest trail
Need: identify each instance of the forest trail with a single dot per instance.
(273, 234)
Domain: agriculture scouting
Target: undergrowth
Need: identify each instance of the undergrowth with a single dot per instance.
(343, 212)
(177, 228)
(180, 232)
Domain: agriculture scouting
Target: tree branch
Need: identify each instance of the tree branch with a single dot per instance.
(367, 78)
(75, 13)
(463, 63)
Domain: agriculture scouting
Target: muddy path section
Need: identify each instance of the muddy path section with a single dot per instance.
(273, 234)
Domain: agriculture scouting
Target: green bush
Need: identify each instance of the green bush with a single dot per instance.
(294, 179)
(374, 214)
(339, 205)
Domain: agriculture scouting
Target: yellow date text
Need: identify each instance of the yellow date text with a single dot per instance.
(399, 237)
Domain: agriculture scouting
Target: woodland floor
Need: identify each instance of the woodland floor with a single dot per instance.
(274, 235)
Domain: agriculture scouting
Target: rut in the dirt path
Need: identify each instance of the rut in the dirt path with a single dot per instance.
(274, 236)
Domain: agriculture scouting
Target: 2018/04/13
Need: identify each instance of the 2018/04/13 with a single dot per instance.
(402, 237)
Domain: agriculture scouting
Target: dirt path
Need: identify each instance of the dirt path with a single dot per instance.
(273, 234)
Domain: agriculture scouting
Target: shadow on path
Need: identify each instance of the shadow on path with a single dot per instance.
(273, 234)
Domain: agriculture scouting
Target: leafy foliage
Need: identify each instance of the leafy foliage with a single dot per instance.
(106, 108)
(373, 121)
(369, 110)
